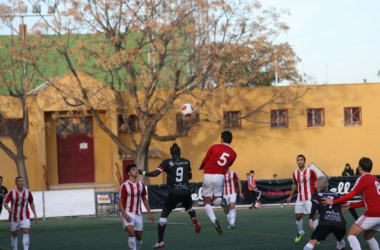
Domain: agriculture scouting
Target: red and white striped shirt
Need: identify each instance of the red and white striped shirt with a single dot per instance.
(305, 181)
(19, 204)
(229, 183)
(132, 194)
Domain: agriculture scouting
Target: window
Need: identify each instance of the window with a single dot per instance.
(14, 125)
(186, 123)
(232, 119)
(352, 116)
(74, 125)
(315, 117)
(133, 125)
(279, 118)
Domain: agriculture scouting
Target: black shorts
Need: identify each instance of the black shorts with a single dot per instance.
(174, 199)
(322, 231)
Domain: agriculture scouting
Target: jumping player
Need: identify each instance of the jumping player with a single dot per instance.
(230, 194)
(215, 164)
(19, 198)
(178, 175)
(304, 179)
(131, 193)
(368, 186)
(331, 217)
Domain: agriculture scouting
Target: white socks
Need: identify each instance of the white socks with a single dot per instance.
(163, 221)
(232, 216)
(217, 201)
(354, 243)
(373, 245)
(315, 223)
(308, 246)
(299, 224)
(132, 243)
(210, 213)
(138, 244)
(14, 242)
(25, 241)
(341, 244)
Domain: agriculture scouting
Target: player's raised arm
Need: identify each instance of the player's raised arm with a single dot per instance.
(154, 173)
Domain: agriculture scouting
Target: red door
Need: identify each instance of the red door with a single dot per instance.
(75, 150)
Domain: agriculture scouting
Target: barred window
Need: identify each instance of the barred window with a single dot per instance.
(232, 119)
(279, 118)
(315, 117)
(132, 126)
(352, 116)
(14, 125)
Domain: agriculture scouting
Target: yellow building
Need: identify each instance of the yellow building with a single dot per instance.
(330, 124)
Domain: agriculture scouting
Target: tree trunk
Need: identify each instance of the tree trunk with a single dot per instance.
(141, 161)
(21, 169)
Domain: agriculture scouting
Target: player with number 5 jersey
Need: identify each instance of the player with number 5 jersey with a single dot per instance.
(218, 159)
(368, 186)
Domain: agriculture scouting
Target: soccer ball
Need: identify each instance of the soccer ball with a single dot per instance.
(257, 204)
(187, 109)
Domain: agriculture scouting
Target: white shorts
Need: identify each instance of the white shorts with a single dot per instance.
(136, 222)
(15, 226)
(212, 185)
(303, 207)
(368, 223)
(230, 198)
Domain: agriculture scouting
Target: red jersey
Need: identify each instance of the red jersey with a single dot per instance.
(305, 181)
(229, 183)
(218, 158)
(368, 186)
(19, 204)
(132, 194)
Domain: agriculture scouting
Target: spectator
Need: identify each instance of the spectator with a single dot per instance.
(348, 171)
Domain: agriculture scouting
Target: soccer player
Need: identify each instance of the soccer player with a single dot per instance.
(19, 212)
(131, 193)
(179, 173)
(331, 217)
(304, 179)
(253, 190)
(230, 194)
(3, 193)
(368, 186)
(218, 159)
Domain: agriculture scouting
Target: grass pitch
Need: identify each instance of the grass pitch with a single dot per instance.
(265, 228)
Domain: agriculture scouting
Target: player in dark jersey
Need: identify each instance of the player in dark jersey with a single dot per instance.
(331, 217)
(178, 172)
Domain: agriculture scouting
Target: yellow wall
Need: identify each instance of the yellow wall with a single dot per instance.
(270, 152)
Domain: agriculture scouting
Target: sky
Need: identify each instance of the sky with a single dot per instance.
(338, 41)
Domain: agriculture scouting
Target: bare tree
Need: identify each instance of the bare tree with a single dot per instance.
(153, 54)
(19, 56)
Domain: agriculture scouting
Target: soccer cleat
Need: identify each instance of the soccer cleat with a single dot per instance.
(225, 206)
(159, 245)
(231, 226)
(218, 227)
(299, 236)
(197, 226)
